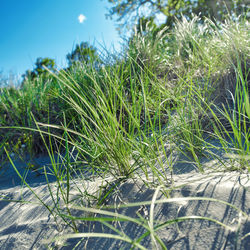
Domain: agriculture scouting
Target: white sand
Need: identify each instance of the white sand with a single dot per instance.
(26, 226)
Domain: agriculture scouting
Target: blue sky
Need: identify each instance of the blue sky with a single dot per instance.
(50, 28)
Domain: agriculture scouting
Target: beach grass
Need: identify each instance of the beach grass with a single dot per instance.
(183, 92)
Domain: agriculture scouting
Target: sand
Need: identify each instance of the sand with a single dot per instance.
(29, 225)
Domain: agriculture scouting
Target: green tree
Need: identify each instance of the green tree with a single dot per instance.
(83, 53)
(42, 65)
(129, 11)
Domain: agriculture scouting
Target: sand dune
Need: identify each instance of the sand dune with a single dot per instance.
(27, 225)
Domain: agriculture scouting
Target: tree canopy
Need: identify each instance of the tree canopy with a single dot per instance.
(47, 62)
(83, 52)
(129, 11)
(39, 69)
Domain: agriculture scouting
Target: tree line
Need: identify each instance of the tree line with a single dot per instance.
(138, 13)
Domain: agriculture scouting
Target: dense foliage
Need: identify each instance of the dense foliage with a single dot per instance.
(129, 11)
(163, 74)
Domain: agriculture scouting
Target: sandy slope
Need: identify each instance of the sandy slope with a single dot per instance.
(25, 226)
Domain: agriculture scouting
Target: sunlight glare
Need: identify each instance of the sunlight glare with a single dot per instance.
(81, 18)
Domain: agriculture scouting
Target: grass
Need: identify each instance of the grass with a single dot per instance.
(172, 93)
(151, 226)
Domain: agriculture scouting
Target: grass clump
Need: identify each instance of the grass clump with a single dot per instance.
(179, 92)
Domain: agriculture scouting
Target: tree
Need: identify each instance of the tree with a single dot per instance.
(83, 53)
(129, 11)
(42, 65)
(47, 62)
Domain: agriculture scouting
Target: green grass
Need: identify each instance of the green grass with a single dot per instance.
(174, 93)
